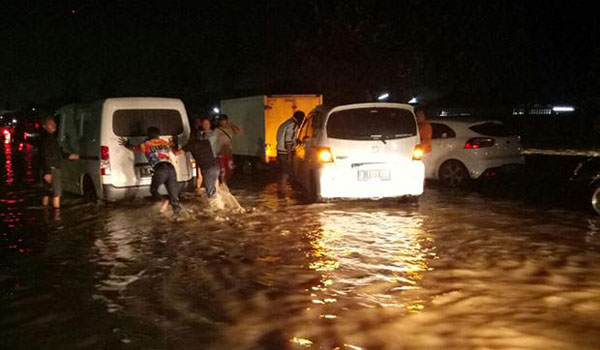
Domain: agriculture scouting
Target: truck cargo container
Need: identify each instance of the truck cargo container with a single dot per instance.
(260, 117)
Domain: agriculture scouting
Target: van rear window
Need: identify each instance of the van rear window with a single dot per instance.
(371, 123)
(135, 122)
(491, 129)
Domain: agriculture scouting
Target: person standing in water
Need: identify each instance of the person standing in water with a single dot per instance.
(425, 129)
(202, 146)
(224, 134)
(286, 141)
(156, 151)
(51, 155)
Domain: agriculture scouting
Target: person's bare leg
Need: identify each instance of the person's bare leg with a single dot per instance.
(45, 201)
(56, 202)
(164, 206)
(199, 179)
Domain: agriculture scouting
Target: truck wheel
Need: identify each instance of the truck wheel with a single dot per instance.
(247, 166)
(89, 191)
(454, 174)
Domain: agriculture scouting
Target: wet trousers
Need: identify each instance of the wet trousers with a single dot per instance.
(164, 174)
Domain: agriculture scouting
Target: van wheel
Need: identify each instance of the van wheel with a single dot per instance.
(595, 199)
(454, 174)
(89, 191)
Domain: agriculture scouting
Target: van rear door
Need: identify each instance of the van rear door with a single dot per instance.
(371, 141)
(132, 169)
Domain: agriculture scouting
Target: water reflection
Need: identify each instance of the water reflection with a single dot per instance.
(370, 258)
(8, 165)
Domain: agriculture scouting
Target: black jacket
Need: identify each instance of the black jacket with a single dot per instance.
(50, 153)
(202, 152)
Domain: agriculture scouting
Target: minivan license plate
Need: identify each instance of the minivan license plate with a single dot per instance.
(366, 175)
(146, 171)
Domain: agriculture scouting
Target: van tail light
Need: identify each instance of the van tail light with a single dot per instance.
(418, 152)
(324, 155)
(194, 167)
(479, 142)
(104, 160)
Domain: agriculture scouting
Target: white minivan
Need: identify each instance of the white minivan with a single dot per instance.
(106, 170)
(367, 150)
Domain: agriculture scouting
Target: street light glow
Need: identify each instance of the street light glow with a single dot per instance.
(563, 109)
(216, 110)
(413, 100)
(383, 96)
(14, 121)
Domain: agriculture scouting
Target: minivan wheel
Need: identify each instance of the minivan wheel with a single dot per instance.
(313, 190)
(89, 191)
(595, 199)
(454, 174)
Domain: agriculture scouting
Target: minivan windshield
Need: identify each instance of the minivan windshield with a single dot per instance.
(135, 122)
(371, 124)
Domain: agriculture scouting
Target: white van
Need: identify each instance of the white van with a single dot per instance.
(368, 150)
(107, 170)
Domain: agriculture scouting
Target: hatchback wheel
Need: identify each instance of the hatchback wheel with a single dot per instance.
(454, 174)
(595, 199)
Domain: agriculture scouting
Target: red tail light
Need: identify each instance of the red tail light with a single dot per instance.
(194, 167)
(479, 142)
(104, 160)
(104, 153)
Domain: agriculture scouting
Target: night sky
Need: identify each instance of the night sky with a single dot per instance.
(461, 52)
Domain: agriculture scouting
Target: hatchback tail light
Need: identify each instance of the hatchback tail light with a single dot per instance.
(104, 160)
(479, 142)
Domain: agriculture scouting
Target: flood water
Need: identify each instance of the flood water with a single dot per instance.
(460, 270)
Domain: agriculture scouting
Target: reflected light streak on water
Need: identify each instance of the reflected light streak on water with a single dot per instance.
(8, 161)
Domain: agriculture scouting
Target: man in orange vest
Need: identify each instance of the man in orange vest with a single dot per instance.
(425, 129)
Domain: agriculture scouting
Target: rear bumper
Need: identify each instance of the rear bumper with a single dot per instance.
(407, 179)
(485, 166)
(113, 194)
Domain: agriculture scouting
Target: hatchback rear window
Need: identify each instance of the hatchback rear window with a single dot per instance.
(135, 122)
(491, 129)
(371, 123)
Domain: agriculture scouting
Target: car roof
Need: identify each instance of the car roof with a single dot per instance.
(463, 121)
(326, 109)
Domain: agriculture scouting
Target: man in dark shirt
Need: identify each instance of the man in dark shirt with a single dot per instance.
(51, 155)
(201, 147)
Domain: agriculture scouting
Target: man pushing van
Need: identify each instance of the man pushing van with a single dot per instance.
(156, 151)
(51, 155)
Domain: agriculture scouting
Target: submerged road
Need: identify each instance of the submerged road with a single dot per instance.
(478, 269)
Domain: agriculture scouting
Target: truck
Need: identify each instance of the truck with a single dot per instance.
(259, 117)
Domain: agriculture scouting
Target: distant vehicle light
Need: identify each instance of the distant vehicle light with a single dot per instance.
(324, 155)
(14, 121)
(418, 153)
(216, 110)
(384, 96)
(563, 109)
(413, 101)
